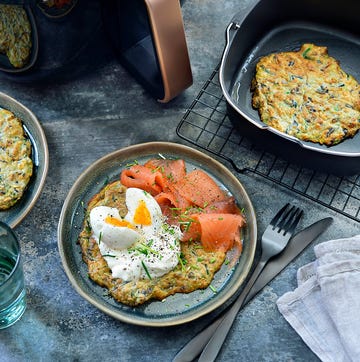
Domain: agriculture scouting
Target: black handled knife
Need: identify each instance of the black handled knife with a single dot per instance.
(296, 245)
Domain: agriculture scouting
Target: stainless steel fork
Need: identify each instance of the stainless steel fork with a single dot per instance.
(273, 241)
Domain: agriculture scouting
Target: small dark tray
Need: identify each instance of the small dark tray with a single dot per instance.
(5, 64)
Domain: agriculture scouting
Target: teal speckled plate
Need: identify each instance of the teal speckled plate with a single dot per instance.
(40, 157)
(176, 309)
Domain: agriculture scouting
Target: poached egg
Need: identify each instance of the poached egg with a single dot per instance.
(140, 245)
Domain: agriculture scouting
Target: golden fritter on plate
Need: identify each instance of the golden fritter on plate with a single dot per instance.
(16, 166)
(307, 95)
(15, 34)
(195, 271)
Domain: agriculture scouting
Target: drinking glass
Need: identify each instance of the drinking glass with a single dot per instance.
(12, 287)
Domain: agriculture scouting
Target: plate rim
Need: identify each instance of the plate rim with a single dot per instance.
(176, 148)
(42, 144)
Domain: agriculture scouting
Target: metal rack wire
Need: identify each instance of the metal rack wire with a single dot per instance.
(206, 125)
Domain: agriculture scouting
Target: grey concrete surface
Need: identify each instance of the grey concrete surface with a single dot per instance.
(85, 118)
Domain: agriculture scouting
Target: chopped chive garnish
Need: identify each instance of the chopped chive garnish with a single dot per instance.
(182, 261)
(186, 223)
(156, 169)
(146, 269)
(305, 53)
(106, 182)
(135, 162)
(213, 288)
(100, 237)
(144, 249)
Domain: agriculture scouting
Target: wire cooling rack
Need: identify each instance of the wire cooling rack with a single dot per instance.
(206, 125)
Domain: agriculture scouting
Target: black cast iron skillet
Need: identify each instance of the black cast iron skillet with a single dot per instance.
(282, 25)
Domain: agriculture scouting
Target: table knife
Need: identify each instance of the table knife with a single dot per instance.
(296, 245)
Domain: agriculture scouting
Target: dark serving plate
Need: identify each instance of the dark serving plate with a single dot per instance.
(40, 156)
(179, 308)
(5, 64)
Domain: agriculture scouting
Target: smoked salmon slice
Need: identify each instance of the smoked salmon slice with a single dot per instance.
(158, 176)
(172, 170)
(192, 200)
(170, 200)
(216, 231)
(226, 206)
(143, 178)
(199, 189)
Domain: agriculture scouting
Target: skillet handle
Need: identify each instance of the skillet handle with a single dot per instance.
(240, 16)
(231, 30)
(235, 24)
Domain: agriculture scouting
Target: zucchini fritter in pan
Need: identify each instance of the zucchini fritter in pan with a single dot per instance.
(307, 95)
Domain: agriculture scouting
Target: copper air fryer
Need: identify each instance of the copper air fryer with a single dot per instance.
(149, 38)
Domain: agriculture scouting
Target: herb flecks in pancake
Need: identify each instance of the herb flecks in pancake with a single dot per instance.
(16, 166)
(195, 269)
(307, 95)
(204, 219)
(15, 34)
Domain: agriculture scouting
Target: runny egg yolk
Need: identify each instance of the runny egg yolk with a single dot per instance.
(142, 214)
(117, 222)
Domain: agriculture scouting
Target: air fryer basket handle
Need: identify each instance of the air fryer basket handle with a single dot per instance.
(170, 45)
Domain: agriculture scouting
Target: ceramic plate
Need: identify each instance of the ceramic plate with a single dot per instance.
(40, 157)
(53, 11)
(5, 64)
(179, 308)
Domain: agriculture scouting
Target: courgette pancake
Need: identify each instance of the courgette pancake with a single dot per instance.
(307, 95)
(159, 230)
(16, 166)
(15, 34)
